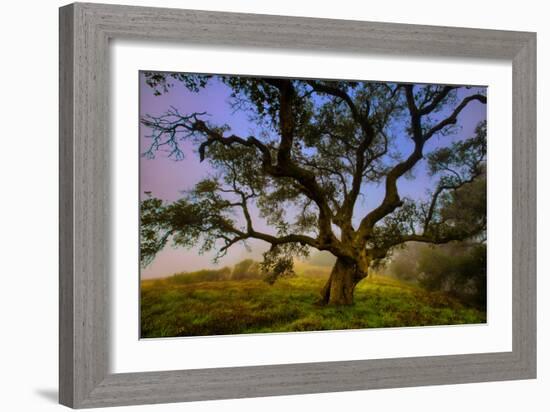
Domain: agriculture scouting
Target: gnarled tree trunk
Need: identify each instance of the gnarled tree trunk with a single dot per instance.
(341, 283)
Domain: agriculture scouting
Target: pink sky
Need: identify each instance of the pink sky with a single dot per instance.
(166, 178)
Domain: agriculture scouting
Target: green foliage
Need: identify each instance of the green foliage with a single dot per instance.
(457, 209)
(461, 273)
(184, 222)
(463, 185)
(403, 221)
(458, 268)
(463, 157)
(246, 269)
(466, 207)
(204, 275)
(162, 82)
(252, 306)
(153, 236)
(404, 262)
(279, 261)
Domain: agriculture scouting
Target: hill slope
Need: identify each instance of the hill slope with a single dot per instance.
(172, 308)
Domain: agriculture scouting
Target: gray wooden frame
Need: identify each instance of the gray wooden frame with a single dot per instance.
(85, 31)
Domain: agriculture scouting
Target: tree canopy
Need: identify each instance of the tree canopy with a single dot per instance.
(318, 147)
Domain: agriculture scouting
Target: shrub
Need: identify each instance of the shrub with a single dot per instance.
(461, 274)
(204, 275)
(458, 268)
(404, 262)
(246, 269)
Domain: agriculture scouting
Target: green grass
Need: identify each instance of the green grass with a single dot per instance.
(170, 307)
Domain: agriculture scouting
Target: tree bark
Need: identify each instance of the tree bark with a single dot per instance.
(341, 283)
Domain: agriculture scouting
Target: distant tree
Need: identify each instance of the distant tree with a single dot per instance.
(320, 143)
(404, 262)
(240, 270)
(204, 275)
(463, 274)
(246, 269)
(458, 267)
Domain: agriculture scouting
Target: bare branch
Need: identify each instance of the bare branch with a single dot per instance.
(391, 199)
(436, 100)
(452, 118)
(361, 119)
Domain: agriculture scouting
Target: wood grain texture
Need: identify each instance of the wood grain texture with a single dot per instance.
(85, 31)
(524, 226)
(66, 229)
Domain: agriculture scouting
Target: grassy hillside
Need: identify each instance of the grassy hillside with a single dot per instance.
(177, 307)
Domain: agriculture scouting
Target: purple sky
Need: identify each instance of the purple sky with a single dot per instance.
(166, 178)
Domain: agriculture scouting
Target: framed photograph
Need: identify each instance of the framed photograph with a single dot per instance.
(257, 205)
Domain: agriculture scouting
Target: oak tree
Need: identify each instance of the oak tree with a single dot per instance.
(320, 145)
